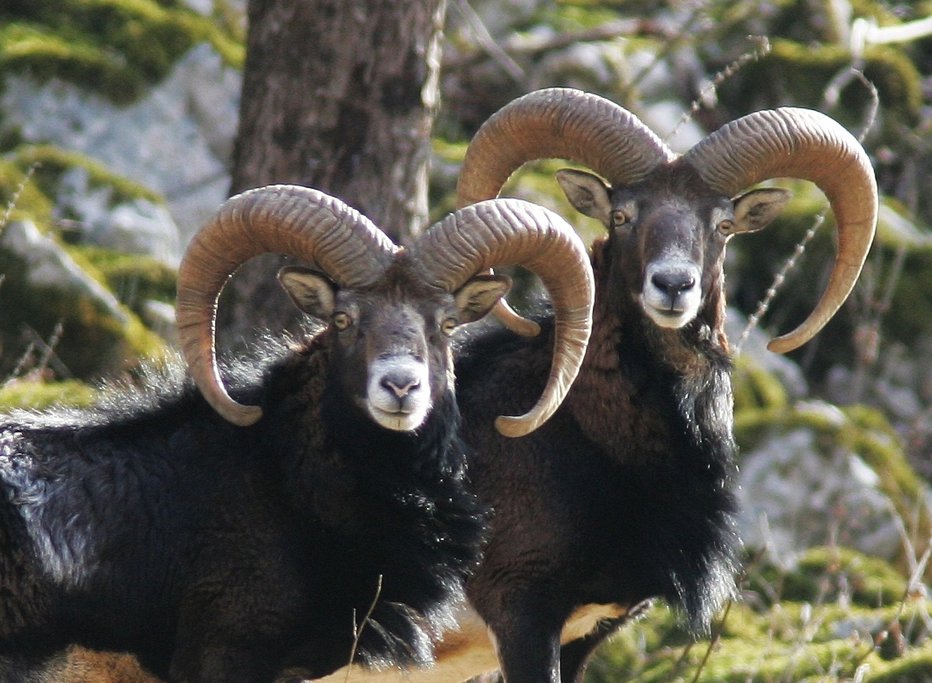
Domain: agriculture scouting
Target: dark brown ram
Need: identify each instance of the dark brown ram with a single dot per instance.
(233, 548)
(626, 493)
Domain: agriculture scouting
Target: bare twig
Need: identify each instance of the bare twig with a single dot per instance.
(47, 358)
(764, 304)
(487, 42)
(866, 32)
(358, 628)
(532, 46)
(669, 46)
(24, 359)
(48, 349)
(762, 49)
(716, 636)
(17, 192)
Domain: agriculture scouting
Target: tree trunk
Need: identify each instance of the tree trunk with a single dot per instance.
(338, 95)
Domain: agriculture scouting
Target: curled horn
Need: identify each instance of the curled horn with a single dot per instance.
(556, 123)
(559, 123)
(590, 130)
(286, 219)
(506, 232)
(800, 143)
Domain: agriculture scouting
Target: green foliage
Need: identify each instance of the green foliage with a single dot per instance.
(834, 615)
(37, 394)
(91, 339)
(132, 277)
(51, 162)
(755, 389)
(830, 574)
(29, 199)
(114, 47)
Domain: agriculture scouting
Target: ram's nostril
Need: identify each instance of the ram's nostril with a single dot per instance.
(673, 283)
(400, 387)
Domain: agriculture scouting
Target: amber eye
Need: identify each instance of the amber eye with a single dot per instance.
(448, 325)
(726, 227)
(620, 217)
(341, 320)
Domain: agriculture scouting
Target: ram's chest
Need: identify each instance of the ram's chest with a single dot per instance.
(614, 415)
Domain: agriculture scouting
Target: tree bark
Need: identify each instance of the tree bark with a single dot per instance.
(338, 95)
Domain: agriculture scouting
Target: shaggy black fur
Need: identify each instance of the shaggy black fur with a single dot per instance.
(216, 552)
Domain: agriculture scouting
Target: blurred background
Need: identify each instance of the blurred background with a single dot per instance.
(122, 128)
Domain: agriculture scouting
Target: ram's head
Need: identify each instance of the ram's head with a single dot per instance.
(668, 216)
(390, 310)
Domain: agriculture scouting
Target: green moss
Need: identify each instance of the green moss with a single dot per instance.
(114, 47)
(39, 395)
(823, 574)
(52, 162)
(800, 69)
(755, 388)
(912, 667)
(576, 16)
(22, 195)
(92, 341)
(133, 278)
(823, 639)
(43, 55)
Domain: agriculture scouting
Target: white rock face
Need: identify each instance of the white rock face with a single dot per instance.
(795, 493)
(176, 141)
(134, 226)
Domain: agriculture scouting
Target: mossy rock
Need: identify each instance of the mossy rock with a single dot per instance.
(19, 196)
(756, 389)
(806, 56)
(50, 163)
(809, 68)
(116, 48)
(133, 278)
(860, 430)
(89, 335)
(824, 574)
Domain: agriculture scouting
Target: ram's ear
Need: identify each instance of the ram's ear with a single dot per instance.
(755, 210)
(310, 291)
(477, 297)
(588, 194)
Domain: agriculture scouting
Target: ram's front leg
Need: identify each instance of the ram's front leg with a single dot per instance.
(528, 645)
(234, 661)
(217, 640)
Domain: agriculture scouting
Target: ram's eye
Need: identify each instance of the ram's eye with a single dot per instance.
(726, 227)
(341, 320)
(448, 325)
(620, 217)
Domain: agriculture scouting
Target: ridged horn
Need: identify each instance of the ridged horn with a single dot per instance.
(556, 123)
(503, 232)
(805, 144)
(559, 123)
(296, 221)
